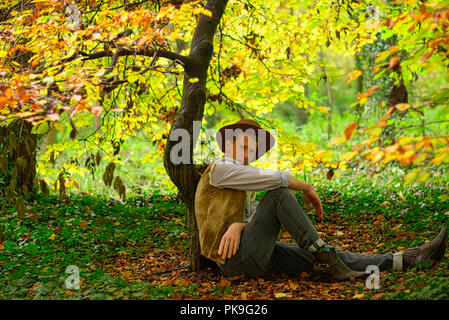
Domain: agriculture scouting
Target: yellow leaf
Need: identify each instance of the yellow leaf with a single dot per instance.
(280, 295)
(377, 156)
(68, 183)
(409, 177)
(353, 75)
(423, 175)
(193, 80)
(207, 13)
(358, 296)
(388, 158)
(382, 55)
(420, 159)
(52, 237)
(337, 140)
(402, 106)
(348, 156)
(439, 159)
(322, 109)
(58, 126)
(375, 131)
(369, 140)
(392, 148)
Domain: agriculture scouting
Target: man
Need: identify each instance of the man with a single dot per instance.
(240, 235)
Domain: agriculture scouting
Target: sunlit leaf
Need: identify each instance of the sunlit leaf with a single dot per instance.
(349, 129)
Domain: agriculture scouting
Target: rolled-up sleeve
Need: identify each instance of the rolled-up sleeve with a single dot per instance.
(247, 178)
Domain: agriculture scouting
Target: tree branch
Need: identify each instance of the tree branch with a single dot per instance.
(183, 60)
(420, 125)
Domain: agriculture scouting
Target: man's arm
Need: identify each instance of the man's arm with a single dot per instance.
(309, 194)
(246, 178)
(296, 184)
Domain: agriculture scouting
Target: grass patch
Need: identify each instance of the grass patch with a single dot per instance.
(121, 248)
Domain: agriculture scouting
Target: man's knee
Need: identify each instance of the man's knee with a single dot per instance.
(281, 192)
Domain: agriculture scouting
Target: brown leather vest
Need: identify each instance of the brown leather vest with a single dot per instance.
(215, 210)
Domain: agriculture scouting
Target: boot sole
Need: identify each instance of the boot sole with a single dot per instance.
(327, 277)
(439, 253)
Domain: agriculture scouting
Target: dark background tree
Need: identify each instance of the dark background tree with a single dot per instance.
(186, 176)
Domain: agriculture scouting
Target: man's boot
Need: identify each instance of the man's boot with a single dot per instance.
(432, 251)
(329, 264)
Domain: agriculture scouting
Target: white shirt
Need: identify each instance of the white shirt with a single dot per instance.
(228, 173)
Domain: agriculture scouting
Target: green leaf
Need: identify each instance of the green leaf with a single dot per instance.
(42, 128)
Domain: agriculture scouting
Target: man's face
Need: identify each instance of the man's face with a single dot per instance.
(244, 148)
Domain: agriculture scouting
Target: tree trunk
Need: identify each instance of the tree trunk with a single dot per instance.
(398, 93)
(185, 175)
(18, 148)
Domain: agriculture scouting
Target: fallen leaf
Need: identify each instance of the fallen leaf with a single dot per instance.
(34, 287)
(223, 283)
(293, 285)
(398, 288)
(385, 204)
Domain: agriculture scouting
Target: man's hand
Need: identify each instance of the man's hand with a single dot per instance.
(311, 197)
(230, 240)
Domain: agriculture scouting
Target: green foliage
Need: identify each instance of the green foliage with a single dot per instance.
(89, 232)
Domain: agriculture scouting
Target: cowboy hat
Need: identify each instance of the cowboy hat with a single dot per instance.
(247, 126)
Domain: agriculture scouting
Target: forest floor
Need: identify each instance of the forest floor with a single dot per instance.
(138, 249)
